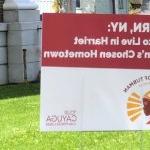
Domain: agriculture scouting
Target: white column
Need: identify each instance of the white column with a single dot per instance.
(19, 4)
(23, 41)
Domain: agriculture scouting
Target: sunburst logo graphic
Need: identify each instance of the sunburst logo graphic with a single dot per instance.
(137, 104)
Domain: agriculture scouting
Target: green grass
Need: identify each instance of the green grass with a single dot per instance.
(19, 127)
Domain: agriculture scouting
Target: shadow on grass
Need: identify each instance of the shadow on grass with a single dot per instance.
(19, 90)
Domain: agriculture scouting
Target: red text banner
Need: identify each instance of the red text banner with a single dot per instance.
(96, 41)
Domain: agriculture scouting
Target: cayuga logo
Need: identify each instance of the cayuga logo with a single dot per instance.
(137, 104)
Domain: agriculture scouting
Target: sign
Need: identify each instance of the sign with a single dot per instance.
(95, 72)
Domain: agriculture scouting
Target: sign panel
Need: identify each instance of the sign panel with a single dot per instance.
(95, 72)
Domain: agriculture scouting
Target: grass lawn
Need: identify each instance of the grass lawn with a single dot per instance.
(19, 127)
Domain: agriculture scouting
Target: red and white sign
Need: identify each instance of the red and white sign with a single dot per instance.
(95, 72)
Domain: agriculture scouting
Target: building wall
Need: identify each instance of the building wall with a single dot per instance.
(105, 6)
(1, 10)
(87, 6)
